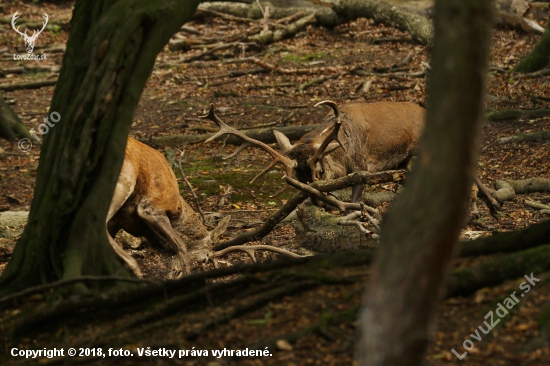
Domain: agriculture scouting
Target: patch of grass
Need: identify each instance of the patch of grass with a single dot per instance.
(301, 58)
(208, 174)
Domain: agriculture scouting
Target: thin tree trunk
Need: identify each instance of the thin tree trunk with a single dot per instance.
(110, 54)
(422, 227)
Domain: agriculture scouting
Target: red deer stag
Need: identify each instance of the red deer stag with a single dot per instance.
(147, 203)
(359, 136)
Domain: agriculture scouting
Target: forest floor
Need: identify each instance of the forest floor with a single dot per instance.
(178, 92)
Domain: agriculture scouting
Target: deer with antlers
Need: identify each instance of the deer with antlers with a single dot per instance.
(357, 137)
(29, 40)
(147, 203)
(370, 137)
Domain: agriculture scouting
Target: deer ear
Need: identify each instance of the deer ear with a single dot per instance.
(284, 142)
(220, 229)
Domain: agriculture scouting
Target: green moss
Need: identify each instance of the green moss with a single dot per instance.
(207, 175)
(301, 58)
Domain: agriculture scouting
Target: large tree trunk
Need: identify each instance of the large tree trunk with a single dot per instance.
(539, 57)
(11, 126)
(110, 54)
(423, 225)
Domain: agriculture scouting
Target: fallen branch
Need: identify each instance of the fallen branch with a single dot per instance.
(536, 205)
(31, 85)
(268, 225)
(317, 81)
(268, 36)
(516, 114)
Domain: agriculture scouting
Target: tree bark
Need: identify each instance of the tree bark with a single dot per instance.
(539, 57)
(11, 126)
(423, 225)
(110, 54)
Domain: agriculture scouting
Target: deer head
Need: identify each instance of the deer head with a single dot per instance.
(29, 40)
(356, 137)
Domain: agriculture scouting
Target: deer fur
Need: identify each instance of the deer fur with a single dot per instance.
(375, 137)
(147, 203)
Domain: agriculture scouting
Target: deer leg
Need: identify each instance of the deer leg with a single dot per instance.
(357, 193)
(123, 190)
(159, 223)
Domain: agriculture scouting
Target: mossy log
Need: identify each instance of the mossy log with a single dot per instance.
(532, 236)
(492, 272)
(319, 231)
(538, 136)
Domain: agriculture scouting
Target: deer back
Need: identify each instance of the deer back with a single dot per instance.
(156, 187)
(376, 137)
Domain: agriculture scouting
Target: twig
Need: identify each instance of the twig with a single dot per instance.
(195, 197)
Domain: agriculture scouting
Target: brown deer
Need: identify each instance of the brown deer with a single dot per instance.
(359, 136)
(369, 137)
(147, 203)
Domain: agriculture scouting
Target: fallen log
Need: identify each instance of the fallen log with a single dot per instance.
(31, 85)
(465, 281)
(515, 114)
(530, 237)
(538, 136)
(320, 231)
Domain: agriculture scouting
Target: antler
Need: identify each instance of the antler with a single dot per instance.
(43, 26)
(278, 158)
(333, 136)
(13, 19)
(250, 249)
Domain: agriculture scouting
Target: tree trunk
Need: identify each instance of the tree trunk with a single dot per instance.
(11, 126)
(422, 227)
(539, 57)
(110, 54)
